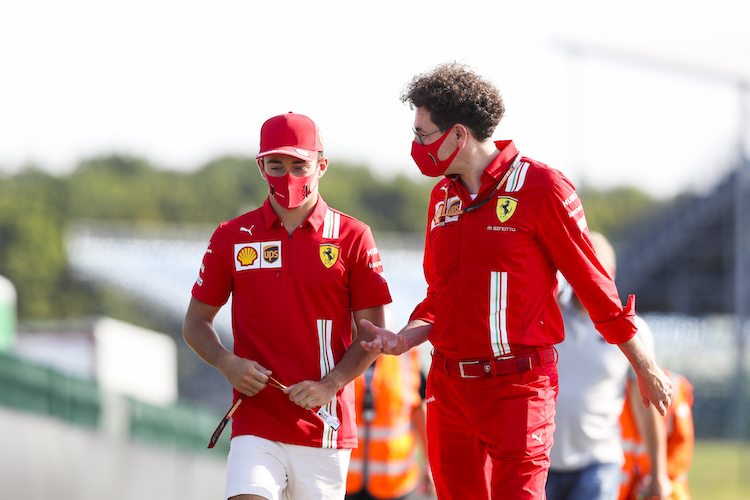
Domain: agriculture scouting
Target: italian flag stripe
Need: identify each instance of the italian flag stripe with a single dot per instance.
(325, 329)
(498, 313)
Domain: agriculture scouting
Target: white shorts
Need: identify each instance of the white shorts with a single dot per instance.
(279, 471)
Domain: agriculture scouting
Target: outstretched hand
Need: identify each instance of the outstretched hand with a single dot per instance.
(384, 341)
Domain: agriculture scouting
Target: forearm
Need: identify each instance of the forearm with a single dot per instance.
(356, 359)
(655, 435)
(202, 338)
(354, 362)
(416, 332)
(386, 342)
(638, 356)
(652, 429)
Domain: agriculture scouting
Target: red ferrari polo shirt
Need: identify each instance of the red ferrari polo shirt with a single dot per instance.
(292, 303)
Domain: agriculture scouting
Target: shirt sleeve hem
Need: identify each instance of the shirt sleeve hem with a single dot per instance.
(422, 314)
(622, 328)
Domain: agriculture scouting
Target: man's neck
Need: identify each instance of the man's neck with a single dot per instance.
(292, 219)
(478, 158)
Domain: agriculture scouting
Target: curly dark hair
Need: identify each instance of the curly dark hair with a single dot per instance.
(453, 94)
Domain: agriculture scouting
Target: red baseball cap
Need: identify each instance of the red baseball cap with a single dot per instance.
(290, 134)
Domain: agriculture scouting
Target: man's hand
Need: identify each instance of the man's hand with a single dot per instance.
(311, 394)
(385, 341)
(648, 489)
(655, 386)
(656, 389)
(246, 375)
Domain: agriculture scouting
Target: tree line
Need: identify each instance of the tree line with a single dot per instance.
(36, 208)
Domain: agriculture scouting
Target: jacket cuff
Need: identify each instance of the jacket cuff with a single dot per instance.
(622, 328)
(423, 313)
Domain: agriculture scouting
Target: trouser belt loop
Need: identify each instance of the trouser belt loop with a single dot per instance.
(445, 362)
(547, 355)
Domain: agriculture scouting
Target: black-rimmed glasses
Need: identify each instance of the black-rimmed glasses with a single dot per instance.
(421, 137)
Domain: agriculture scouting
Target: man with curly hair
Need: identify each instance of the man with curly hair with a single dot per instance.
(499, 228)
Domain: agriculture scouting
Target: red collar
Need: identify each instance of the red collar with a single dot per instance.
(495, 170)
(315, 220)
(497, 167)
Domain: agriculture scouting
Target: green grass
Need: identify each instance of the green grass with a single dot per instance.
(720, 471)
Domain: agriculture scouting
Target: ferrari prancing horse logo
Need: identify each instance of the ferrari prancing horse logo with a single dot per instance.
(506, 206)
(329, 254)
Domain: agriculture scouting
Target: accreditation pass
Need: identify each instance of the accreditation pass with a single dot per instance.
(328, 419)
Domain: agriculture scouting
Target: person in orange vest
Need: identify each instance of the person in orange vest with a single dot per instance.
(680, 442)
(390, 462)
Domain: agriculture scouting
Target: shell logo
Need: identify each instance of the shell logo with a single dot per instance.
(247, 256)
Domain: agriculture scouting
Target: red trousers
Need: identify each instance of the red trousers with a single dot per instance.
(505, 422)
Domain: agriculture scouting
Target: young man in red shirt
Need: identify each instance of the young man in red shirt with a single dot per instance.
(297, 271)
(499, 227)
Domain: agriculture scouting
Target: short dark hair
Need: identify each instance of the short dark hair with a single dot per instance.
(454, 94)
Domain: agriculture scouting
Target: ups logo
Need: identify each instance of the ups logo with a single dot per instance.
(271, 254)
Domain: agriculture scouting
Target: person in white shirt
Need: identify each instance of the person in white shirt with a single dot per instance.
(587, 453)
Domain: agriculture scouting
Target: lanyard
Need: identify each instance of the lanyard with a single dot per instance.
(368, 415)
(321, 412)
(440, 218)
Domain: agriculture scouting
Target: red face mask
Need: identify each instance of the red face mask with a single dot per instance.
(426, 157)
(291, 191)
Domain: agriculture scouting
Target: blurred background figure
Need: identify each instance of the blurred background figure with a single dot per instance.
(587, 456)
(680, 443)
(391, 460)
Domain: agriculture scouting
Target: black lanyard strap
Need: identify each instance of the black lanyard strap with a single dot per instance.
(440, 219)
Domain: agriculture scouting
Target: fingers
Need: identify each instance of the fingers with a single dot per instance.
(260, 369)
(662, 409)
(661, 405)
(658, 392)
(667, 398)
(376, 345)
(401, 344)
(251, 378)
(251, 386)
(367, 324)
(307, 394)
(394, 346)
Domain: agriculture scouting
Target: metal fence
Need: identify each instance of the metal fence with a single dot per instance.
(35, 388)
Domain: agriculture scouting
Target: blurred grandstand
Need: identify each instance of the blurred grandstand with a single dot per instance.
(689, 267)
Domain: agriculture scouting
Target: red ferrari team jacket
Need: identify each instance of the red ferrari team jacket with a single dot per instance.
(491, 263)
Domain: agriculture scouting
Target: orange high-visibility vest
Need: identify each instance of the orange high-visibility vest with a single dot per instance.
(391, 465)
(680, 441)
